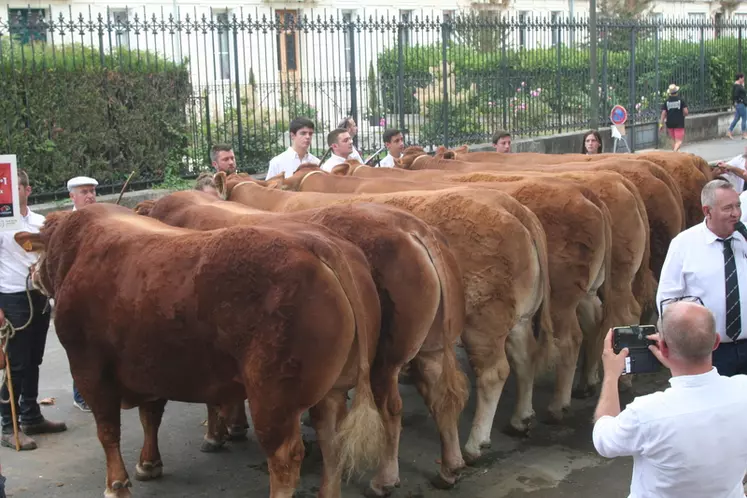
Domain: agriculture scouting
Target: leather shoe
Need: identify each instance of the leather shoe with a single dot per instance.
(26, 442)
(44, 427)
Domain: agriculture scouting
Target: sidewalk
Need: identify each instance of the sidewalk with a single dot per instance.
(720, 149)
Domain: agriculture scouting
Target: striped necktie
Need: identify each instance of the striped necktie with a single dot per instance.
(733, 307)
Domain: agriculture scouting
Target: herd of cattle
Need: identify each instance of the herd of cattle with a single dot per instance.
(292, 291)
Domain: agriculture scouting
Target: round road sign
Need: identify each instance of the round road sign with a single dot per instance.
(618, 115)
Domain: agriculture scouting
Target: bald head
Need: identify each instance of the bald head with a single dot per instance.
(689, 330)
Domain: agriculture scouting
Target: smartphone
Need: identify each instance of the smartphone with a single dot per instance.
(640, 359)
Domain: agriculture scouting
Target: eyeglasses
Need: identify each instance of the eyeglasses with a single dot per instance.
(671, 300)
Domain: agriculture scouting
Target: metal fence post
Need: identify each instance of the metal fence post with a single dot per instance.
(739, 50)
(238, 93)
(702, 66)
(605, 68)
(504, 70)
(593, 77)
(353, 78)
(558, 85)
(445, 76)
(401, 74)
(632, 89)
(657, 71)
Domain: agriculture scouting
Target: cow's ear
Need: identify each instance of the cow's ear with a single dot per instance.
(342, 169)
(278, 178)
(277, 184)
(219, 180)
(31, 242)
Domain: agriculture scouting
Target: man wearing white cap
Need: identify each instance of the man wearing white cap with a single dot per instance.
(82, 192)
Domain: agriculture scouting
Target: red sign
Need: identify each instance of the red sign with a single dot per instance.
(6, 191)
(618, 115)
(10, 215)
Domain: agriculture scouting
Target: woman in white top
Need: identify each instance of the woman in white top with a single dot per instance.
(349, 124)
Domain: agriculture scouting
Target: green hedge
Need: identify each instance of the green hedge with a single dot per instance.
(78, 112)
(564, 84)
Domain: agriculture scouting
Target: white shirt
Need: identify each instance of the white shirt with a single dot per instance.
(387, 162)
(694, 266)
(743, 201)
(686, 442)
(738, 183)
(288, 162)
(333, 161)
(14, 260)
(355, 155)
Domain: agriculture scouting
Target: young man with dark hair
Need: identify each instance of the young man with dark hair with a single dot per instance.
(502, 141)
(395, 146)
(349, 124)
(674, 110)
(223, 158)
(301, 133)
(26, 348)
(341, 143)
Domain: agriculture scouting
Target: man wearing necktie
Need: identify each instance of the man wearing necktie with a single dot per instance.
(709, 262)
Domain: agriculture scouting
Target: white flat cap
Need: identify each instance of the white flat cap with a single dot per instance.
(79, 181)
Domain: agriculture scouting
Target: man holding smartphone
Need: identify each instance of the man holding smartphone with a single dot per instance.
(685, 441)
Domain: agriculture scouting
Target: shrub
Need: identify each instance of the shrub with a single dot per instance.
(80, 112)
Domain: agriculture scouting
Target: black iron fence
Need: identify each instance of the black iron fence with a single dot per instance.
(104, 94)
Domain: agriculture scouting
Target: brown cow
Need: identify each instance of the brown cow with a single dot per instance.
(421, 294)
(502, 250)
(631, 247)
(688, 171)
(658, 190)
(580, 262)
(286, 316)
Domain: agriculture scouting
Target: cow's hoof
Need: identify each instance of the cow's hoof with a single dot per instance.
(555, 416)
(237, 433)
(147, 471)
(512, 431)
(119, 489)
(211, 446)
(440, 482)
(381, 492)
(584, 392)
(471, 458)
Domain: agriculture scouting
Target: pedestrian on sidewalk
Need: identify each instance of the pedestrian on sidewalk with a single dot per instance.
(738, 97)
(673, 111)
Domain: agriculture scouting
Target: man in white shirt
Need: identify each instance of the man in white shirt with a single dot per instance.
(341, 144)
(687, 441)
(82, 191)
(709, 261)
(301, 133)
(395, 146)
(26, 348)
(734, 171)
(349, 124)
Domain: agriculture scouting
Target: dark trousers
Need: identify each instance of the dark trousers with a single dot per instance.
(730, 358)
(25, 352)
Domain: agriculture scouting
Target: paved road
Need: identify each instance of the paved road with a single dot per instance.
(716, 150)
(554, 461)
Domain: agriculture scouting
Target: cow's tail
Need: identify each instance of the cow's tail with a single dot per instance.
(545, 350)
(360, 437)
(452, 389)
